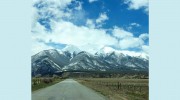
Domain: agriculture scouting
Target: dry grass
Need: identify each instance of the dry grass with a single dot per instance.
(119, 89)
(39, 83)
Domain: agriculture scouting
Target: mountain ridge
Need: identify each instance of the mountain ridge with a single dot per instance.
(53, 61)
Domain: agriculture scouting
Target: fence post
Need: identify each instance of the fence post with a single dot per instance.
(140, 88)
(119, 85)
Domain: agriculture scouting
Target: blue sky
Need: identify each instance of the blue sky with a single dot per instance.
(118, 14)
(121, 24)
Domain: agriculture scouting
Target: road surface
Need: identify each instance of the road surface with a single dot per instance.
(68, 89)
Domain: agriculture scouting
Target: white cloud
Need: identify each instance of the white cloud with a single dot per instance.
(68, 33)
(79, 7)
(138, 4)
(55, 9)
(100, 20)
(103, 17)
(38, 46)
(127, 40)
(144, 36)
(53, 3)
(97, 23)
(120, 33)
(145, 49)
(135, 24)
(89, 38)
(37, 28)
(130, 42)
(90, 23)
(91, 1)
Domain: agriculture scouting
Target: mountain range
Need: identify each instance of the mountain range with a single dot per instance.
(71, 58)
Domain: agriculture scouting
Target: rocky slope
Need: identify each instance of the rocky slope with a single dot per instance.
(72, 59)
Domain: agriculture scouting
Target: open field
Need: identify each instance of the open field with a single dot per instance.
(38, 83)
(119, 89)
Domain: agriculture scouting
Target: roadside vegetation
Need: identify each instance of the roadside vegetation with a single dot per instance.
(119, 88)
(113, 85)
(42, 82)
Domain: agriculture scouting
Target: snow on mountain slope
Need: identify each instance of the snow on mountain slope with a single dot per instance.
(72, 58)
(48, 61)
(107, 50)
(90, 48)
(71, 49)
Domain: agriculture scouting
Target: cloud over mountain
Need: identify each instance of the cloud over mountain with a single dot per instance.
(67, 22)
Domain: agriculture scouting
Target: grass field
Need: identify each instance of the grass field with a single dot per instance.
(39, 83)
(119, 89)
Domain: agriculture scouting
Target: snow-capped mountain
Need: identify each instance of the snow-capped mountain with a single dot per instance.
(73, 59)
(107, 50)
(86, 61)
(48, 61)
(72, 49)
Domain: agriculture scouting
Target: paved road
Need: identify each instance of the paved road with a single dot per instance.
(68, 89)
